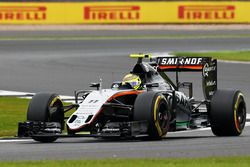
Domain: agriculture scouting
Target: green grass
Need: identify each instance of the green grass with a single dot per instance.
(12, 111)
(222, 55)
(173, 162)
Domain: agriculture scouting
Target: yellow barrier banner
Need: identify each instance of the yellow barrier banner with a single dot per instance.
(124, 12)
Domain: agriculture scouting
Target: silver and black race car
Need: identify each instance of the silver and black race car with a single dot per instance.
(153, 110)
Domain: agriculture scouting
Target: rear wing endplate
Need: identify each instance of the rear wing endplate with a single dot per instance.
(206, 65)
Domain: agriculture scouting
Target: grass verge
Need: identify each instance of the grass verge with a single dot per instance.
(222, 55)
(12, 111)
(173, 162)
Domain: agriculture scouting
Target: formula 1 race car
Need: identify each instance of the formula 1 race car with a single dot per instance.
(152, 110)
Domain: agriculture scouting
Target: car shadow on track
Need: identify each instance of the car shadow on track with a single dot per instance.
(118, 140)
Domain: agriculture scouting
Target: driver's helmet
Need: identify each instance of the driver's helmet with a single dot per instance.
(133, 81)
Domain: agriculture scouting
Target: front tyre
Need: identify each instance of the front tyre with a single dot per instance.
(46, 107)
(228, 113)
(153, 107)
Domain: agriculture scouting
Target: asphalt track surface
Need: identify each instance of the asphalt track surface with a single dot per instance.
(64, 65)
(187, 144)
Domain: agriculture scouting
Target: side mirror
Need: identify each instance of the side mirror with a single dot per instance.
(95, 85)
(116, 84)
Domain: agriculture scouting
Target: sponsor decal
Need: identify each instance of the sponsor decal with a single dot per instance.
(111, 13)
(206, 12)
(77, 123)
(207, 69)
(211, 93)
(181, 99)
(22, 13)
(210, 83)
(180, 61)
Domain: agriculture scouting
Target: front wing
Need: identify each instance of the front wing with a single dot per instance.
(113, 129)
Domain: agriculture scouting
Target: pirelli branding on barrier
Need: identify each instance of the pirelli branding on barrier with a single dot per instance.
(206, 12)
(124, 12)
(112, 13)
(22, 13)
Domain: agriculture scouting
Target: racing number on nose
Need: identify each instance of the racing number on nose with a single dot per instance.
(93, 101)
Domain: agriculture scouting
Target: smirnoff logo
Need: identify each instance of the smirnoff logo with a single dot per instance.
(21, 13)
(111, 12)
(206, 12)
(180, 61)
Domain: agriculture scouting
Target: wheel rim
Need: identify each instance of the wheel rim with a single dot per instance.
(163, 115)
(241, 116)
(55, 115)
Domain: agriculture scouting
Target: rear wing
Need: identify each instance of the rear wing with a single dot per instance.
(206, 65)
(181, 63)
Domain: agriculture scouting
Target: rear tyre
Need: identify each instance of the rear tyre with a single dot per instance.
(46, 107)
(228, 113)
(154, 108)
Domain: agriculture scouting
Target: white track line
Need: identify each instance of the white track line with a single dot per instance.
(14, 140)
(30, 140)
(234, 62)
(201, 129)
(12, 93)
(4, 92)
(7, 93)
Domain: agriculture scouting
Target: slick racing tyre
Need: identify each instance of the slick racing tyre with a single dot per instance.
(154, 108)
(228, 113)
(46, 107)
